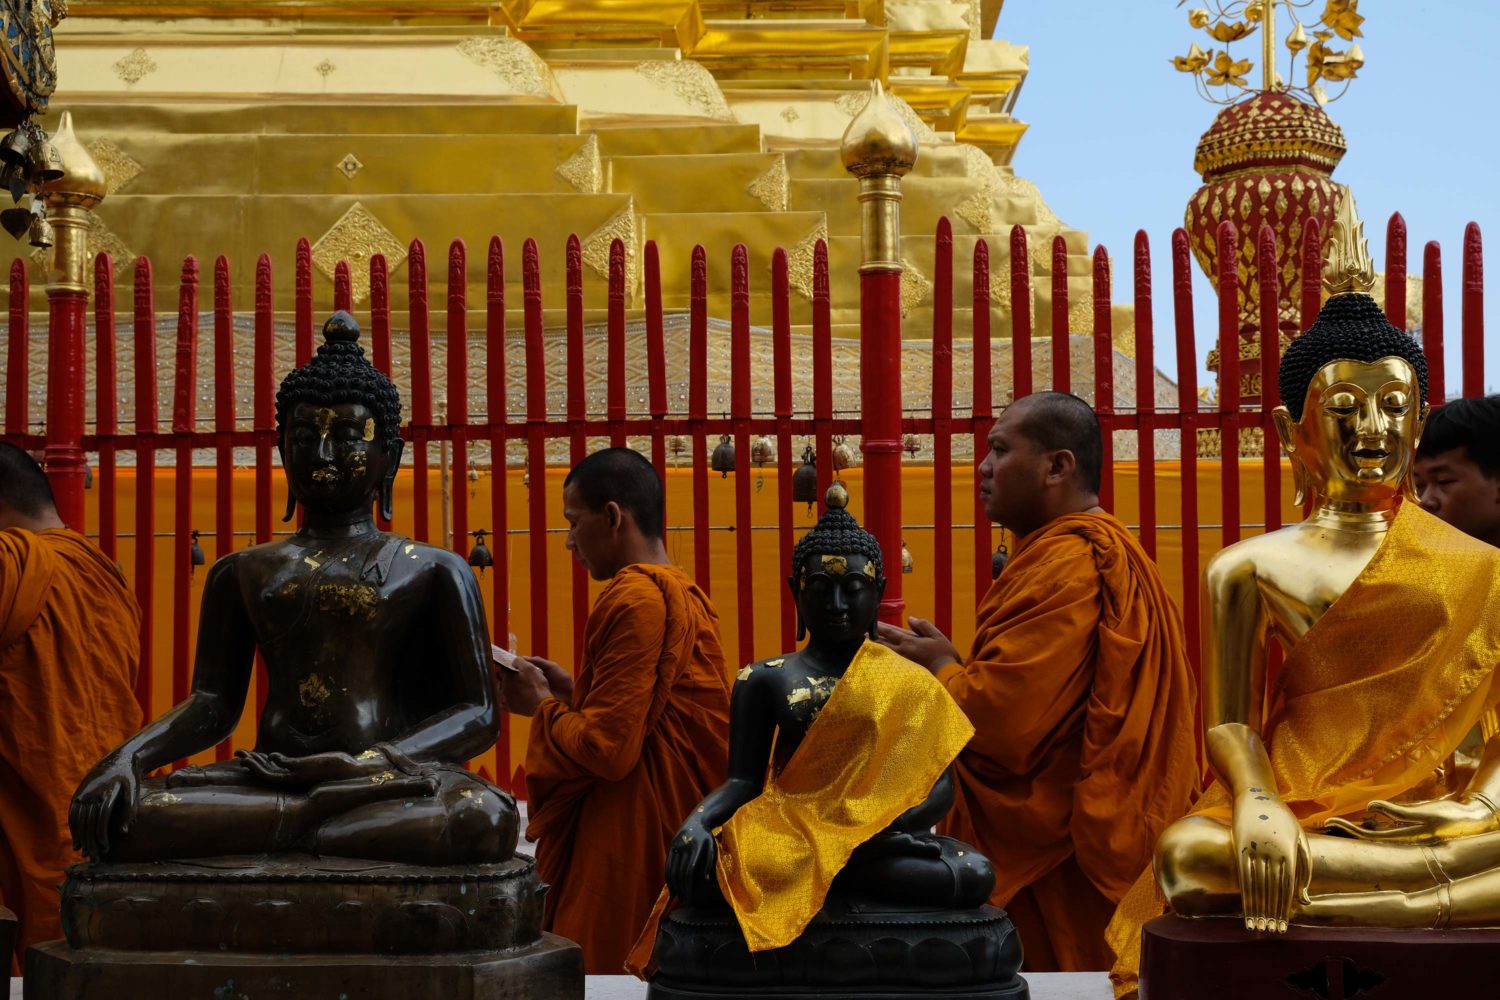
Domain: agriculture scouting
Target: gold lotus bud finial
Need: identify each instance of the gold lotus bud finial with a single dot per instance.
(837, 496)
(82, 181)
(879, 140)
(1347, 266)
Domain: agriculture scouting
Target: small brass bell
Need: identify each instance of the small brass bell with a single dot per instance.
(907, 562)
(196, 557)
(912, 444)
(41, 232)
(46, 162)
(15, 149)
(843, 455)
(675, 447)
(762, 450)
(479, 555)
(722, 460)
(805, 479)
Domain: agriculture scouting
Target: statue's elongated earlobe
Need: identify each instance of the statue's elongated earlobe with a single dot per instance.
(387, 497)
(291, 505)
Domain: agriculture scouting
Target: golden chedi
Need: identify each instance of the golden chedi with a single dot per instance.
(1325, 809)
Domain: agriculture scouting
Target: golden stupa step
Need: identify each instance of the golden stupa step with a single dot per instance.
(942, 104)
(997, 135)
(315, 118)
(923, 201)
(930, 34)
(156, 163)
(245, 65)
(682, 139)
(166, 228)
(723, 182)
(773, 49)
(718, 232)
(477, 12)
(794, 113)
(619, 22)
(662, 89)
(943, 160)
(795, 10)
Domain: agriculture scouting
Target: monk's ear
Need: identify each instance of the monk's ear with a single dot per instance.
(1062, 465)
(614, 515)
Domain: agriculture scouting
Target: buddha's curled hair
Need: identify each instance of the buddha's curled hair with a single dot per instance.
(339, 373)
(1350, 327)
(837, 534)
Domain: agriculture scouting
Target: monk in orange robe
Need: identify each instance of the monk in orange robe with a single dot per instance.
(1079, 687)
(69, 648)
(620, 756)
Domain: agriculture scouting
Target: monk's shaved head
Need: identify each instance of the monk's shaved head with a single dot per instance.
(1060, 421)
(626, 477)
(23, 485)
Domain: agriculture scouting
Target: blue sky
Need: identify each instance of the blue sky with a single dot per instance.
(1114, 126)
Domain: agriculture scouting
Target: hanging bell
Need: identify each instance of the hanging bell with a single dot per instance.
(41, 232)
(196, 557)
(805, 479)
(912, 444)
(722, 460)
(675, 447)
(1000, 558)
(843, 455)
(907, 562)
(46, 162)
(479, 555)
(762, 450)
(15, 149)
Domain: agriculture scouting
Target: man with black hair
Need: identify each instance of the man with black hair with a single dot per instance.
(1457, 469)
(619, 755)
(69, 649)
(1079, 688)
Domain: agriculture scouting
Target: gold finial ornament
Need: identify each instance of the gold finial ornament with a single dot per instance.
(1347, 267)
(69, 199)
(878, 140)
(837, 497)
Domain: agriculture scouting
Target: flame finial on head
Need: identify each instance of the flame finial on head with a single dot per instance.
(1347, 267)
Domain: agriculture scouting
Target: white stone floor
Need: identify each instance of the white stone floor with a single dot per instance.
(1044, 986)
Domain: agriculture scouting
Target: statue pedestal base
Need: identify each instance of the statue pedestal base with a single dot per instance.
(297, 925)
(1217, 959)
(848, 953)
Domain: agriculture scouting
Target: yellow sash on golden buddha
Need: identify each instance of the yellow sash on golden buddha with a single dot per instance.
(880, 743)
(1377, 694)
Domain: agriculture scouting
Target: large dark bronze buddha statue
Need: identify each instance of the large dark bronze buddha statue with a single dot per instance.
(352, 828)
(814, 865)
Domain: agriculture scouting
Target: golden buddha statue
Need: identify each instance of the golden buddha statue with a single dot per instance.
(1318, 815)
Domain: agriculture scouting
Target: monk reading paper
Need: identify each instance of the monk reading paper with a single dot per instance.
(69, 648)
(1078, 685)
(619, 755)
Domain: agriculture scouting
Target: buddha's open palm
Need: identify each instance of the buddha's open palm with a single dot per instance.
(1274, 862)
(690, 864)
(1416, 822)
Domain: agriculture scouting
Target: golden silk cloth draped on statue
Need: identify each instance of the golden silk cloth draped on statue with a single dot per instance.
(1378, 692)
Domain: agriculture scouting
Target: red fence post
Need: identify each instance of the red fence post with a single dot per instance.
(1432, 322)
(67, 303)
(614, 376)
(302, 303)
(698, 410)
(1187, 408)
(420, 425)
(781, 365)
(184, 425)
(1020, 313)
(145, 476)
(1229, 382)
(536, 442)
(942, 429)
(458, 391)
(1312, 272)
(1270, 359)
(656, 367)
(983, 413)
(264, 394)
(106, 399)
(822, 347)
(1395, 271)
(223, 429)
(1145, 393)
(1473, 312)
(577, 415)
(739, 408)
(380, 332)
(1104, 375)
(495, 405)
(1062, 362)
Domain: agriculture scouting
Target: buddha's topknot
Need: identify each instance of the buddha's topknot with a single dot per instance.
(339, 373)
(837, 533)
(1350, 327)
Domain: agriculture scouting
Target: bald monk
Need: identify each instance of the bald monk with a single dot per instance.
(69, 649)
(621, 755)
(1079, 688)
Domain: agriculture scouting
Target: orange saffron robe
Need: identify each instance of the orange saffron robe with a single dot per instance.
(69, 650)
(1374, 696)
(1084, 701)
(612, 777)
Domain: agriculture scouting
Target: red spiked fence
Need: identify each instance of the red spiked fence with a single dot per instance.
(682, 424)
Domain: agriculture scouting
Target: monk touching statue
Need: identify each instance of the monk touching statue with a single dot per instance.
(839, 766)
(377, 660)
(1322, 813)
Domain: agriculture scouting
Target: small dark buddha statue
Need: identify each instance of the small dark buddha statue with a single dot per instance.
(814, 865)
(378, 664)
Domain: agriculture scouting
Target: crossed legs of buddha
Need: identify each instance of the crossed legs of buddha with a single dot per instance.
(1354, 882)
(441, 817)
